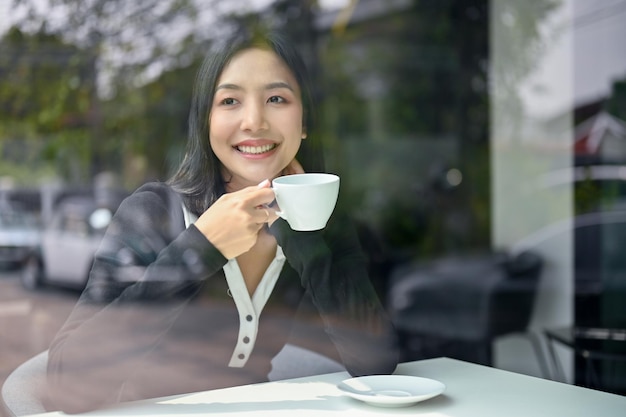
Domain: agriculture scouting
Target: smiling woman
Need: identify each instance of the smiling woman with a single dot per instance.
(256, 119)
(209, 235)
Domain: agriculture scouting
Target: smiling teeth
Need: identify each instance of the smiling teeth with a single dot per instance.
(256, 149)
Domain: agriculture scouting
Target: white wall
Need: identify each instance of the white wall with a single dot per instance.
(525, 145)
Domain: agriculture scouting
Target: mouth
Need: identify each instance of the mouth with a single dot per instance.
(256, 150)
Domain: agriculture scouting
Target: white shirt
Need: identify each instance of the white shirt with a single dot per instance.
(249, 308)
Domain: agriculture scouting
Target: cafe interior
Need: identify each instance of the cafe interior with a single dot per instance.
(481, 146)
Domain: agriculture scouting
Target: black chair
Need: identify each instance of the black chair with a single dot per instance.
(603, 366)
(457, 306)
(23, 390)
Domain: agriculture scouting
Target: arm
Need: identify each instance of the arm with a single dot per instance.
(332, 268)
(92, 357)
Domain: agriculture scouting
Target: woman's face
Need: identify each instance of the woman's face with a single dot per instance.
(256, 118)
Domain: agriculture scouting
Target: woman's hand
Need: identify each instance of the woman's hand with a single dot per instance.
(294, 167)
(233, 222)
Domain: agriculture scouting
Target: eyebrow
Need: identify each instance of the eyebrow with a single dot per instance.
(270, 86)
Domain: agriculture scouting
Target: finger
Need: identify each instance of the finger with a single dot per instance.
(294, 167)
(264, 184)
(261, 215)
(297, 167)
(255, 195)
(252, 188)
(261, 197)
(267, 215)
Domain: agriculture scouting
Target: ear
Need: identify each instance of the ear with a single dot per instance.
(303, 132)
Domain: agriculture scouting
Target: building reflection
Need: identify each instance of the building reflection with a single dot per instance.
(437, 118)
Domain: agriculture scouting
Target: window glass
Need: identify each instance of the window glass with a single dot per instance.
(480, 146)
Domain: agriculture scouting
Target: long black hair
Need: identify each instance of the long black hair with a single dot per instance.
(199, 177)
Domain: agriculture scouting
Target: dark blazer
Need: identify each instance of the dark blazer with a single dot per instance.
(158, 274)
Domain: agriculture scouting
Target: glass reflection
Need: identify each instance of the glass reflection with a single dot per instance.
(466, 134)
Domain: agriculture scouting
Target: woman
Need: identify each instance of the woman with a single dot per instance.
(209, 231)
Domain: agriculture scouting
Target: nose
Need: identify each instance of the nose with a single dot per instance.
(253, 118)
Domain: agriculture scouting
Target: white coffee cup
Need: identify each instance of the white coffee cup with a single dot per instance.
(306, 201)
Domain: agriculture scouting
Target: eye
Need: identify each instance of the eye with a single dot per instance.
(229, 101)
(276, 99)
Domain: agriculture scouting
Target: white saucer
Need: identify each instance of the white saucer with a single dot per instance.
(391, 390)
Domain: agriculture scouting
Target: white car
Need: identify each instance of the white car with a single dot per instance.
(68, 245)
(19, 236)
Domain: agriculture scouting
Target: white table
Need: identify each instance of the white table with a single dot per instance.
(471, 390)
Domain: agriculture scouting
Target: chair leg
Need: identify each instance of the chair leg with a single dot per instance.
(559, 374)
(535, 342)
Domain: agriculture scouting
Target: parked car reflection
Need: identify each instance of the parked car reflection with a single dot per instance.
(19, 236)
(68, 245)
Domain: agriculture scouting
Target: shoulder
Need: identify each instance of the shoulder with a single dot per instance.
(154, 189)
(155, 201)
(152, 193)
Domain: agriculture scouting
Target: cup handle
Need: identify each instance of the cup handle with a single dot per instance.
(274, 207)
